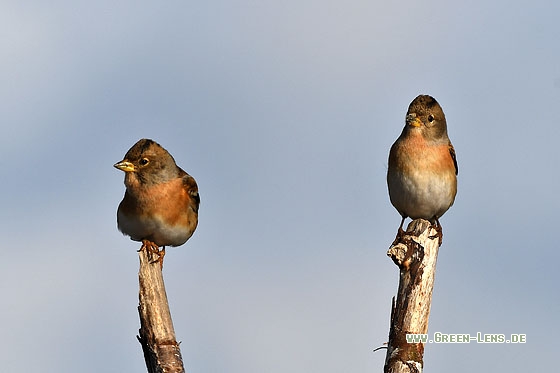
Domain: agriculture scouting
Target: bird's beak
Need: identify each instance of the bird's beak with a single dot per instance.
(413, 120)
(125, 166)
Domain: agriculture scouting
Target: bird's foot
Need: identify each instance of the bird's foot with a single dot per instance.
(399, 237)
(154, 253)
(159, 259)
(439, 233)
(400, 233)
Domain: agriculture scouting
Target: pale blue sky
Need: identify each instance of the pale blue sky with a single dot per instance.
(284, 112)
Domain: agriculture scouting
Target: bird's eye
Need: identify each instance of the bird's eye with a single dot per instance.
(144, 161)
(430, 118)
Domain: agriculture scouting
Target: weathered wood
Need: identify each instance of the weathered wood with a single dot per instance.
(415, 253)
(157, 336)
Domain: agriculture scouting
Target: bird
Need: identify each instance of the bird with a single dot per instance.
(161, 201)
(422, 169)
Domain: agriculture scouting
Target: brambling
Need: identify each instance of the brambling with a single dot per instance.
(160, 204)
(422, 171)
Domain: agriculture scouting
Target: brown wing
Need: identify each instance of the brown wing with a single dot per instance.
(192, 188)
(452, 152)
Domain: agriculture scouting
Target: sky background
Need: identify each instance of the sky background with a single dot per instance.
(284, 112)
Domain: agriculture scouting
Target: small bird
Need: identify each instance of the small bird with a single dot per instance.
(422, 171)
(160, 204)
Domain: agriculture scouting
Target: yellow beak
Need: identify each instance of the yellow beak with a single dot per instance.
(125, 166)
(413, 120)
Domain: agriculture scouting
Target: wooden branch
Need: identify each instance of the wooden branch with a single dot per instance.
(415, 254)
(157, 336)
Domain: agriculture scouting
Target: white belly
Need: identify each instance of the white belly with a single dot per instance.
(421, 194)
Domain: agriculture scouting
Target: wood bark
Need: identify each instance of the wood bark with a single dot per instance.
(157, 336)
(415, 253)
